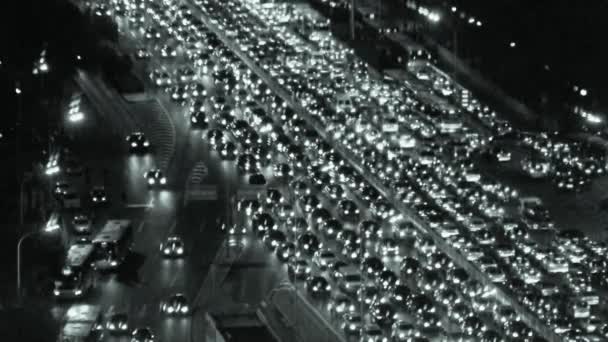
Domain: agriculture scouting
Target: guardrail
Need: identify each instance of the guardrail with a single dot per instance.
(299, 320)
(458, 258)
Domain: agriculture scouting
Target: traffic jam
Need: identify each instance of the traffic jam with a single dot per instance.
(366, 188)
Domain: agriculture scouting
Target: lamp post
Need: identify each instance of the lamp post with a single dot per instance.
(25, 236)
(352, 19)
(51, 226)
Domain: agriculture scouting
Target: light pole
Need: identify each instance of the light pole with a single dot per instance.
(25, 236)
(51, 226)
(352, 19)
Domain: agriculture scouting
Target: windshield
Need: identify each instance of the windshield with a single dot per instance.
(81, 220)
(66, 282)
(105, 250)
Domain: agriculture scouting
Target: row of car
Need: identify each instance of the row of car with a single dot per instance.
(483, 238)
(425, 182)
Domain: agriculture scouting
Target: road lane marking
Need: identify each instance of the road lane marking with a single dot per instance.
(172, 228)
(150, 204)
(142, 311)
(173, 280)
(141, 226)
(139, 205)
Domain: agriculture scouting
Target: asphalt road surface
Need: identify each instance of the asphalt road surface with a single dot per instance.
(146, 278)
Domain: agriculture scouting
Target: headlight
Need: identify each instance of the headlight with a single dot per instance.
(133, 144)
(94, 199)
(78, 292)
(163, 180)
(185, 309)
(167, 251)
(193, 119)
(170, 309)
(180, 250)
(113, 263)
(150, 181)
(103, 198)
(56, 292)
(146, 143)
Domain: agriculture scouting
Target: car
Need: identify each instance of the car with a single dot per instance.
(373, 333)
(273, 239)
(299, 269)
(348, 210)
(227, 151)
(98, 195)
(82, 223)
(198, 120)
(143, 53)
(138, 143)
(282, 170)
(308, 243)
(324, 258)
(168, 51)
(318, 286)
(61, 188)
(234, 229)
(71, 200)
(73, 167)
(256, 179)
(249, 206)
(351, 324)
(172, 247)
(118, 324)
(402, 331)
(286, 251)
(341, 304)
(383, 312)
(175, 305)
(142, 335)
(155, 177)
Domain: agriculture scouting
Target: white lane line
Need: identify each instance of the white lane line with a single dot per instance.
(140, 227)
(150, 204)
(173, 280)
(139, 205)
(142, 311)
(172, 228)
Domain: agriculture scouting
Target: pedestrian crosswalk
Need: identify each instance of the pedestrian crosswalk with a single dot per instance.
(157, 125)
(196, 190)
(198, 173)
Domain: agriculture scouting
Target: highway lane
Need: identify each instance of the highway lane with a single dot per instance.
(157, 278)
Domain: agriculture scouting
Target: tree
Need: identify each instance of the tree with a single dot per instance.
(29, 323)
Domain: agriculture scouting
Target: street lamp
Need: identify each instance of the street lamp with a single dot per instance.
(51, 226)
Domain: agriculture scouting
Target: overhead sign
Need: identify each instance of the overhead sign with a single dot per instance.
(202, 193)
(249, 192)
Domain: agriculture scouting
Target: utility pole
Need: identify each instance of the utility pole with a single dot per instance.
(352, 19)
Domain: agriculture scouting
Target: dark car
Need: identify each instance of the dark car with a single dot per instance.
(198, 120)
(138, 143)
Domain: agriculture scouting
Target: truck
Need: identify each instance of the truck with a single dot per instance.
(82, 323)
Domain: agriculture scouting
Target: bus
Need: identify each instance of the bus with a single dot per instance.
(82, 323)
(77, 276)
(112, 244)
